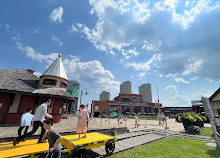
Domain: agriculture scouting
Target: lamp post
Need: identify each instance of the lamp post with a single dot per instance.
(82, 94)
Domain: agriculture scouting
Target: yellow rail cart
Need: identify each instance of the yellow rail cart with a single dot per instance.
(77, 148)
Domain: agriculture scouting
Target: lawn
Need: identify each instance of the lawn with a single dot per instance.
(206, 131)
(171, 147)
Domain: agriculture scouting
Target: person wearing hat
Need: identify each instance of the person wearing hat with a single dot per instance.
(39, 115)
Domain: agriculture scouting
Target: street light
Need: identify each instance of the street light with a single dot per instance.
(81, 95)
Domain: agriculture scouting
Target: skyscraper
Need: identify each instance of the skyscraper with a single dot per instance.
(145, 90)
(104, 96)
(125, 87)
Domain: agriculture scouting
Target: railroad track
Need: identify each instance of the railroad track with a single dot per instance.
(138, 138)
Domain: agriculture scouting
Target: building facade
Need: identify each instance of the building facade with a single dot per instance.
(124, 103)
(215, 102)
(21, 90)
(104, 96)
(145, 90)
(125, 87)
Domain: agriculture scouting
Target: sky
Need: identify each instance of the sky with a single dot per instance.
(172, 44)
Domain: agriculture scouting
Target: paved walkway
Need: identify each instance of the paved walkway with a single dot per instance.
(69, 125)
(66, 125)
(144, 124)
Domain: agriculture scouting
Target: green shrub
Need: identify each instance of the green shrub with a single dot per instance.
(192, 119)
(193, 130)
(199, 118)
(204, 118)
(179, 118)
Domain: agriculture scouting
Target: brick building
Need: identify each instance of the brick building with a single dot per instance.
(21, 90)
(124, 103)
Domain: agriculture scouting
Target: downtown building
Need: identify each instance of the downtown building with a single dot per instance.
(125, 102)
(145, 91)
(21, 90)
(125, 87)
(104, 96)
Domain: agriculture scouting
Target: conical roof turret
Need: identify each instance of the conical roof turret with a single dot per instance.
(56, 69)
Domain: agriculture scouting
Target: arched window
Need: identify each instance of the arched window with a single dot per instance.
(49, 82)
(62, 84)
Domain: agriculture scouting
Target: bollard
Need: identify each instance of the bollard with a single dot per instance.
(118, 121)
(145, 126)
(125, 120)
(108, 120)
(101, 119)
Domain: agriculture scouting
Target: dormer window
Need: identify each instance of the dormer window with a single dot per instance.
(49, 82)
(63, 85)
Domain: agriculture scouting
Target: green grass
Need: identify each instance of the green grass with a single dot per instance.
(206, 131)
(171, 147)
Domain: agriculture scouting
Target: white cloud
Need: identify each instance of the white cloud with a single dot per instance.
(181, 80)
(38, 74)
(30, 52)
(57, 40)
(187, 3)
(7, 26)
(35, 32)
(129, 53)
(91, 73)
(194, 78)
(178, 100)
(111, 52)
(180, 37)
(56, 15)
(143, 66)
(171, 89)
(74, 29)
(141, 75)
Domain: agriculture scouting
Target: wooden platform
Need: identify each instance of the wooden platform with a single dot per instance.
(93, 140)
(31, 148)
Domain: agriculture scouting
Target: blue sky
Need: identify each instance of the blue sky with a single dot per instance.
(173, 44)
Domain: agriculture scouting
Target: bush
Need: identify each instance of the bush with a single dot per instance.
(193, 130)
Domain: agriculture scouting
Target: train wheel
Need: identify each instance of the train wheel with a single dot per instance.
(110, 147)
(80, 152)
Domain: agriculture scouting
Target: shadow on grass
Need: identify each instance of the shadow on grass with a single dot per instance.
(214, 153)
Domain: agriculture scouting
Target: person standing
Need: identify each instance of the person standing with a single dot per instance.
(163, 118)
(26, 121)
(136, 121)
(83, 118)
(87, 108)
(41, 112)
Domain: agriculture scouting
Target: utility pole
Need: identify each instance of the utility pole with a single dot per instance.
(158, 105)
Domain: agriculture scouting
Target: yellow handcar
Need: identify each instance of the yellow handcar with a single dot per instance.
(77, 148)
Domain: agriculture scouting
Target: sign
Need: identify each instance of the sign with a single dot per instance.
(73, 92)
(96, 107)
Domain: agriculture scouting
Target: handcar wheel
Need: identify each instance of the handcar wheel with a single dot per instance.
(110, 147)
(80, 152)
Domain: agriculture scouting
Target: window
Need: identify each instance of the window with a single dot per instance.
(62, 84)
(113, 108)
(136, 109)
(136, 100)
(125, 108)
(49, 82)
(147, 109)
(125, 99)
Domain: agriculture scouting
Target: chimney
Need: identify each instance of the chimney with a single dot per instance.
(31, 71)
